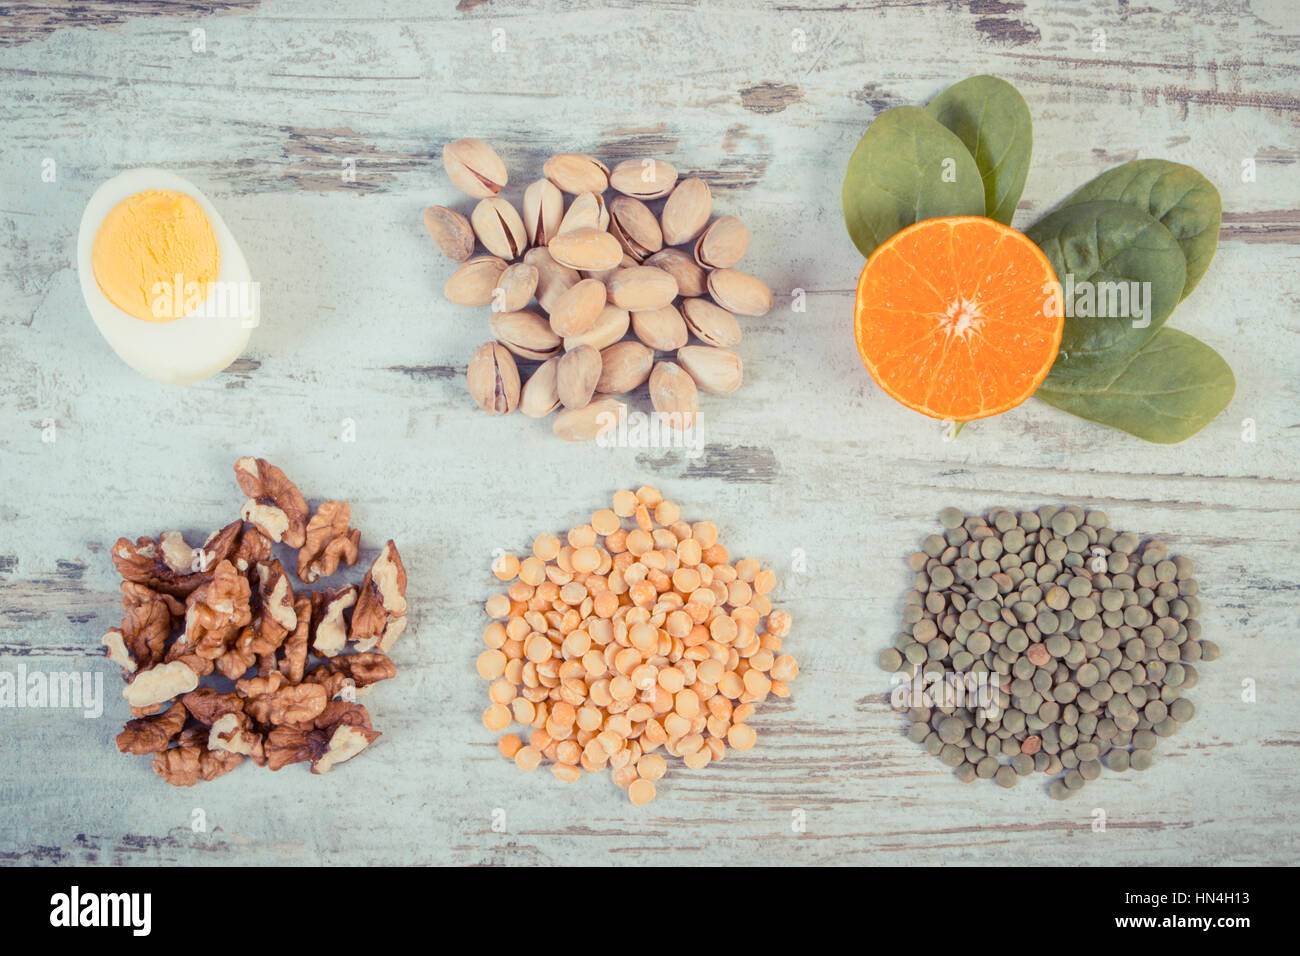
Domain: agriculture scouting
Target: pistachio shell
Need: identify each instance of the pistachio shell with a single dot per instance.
(499, 228)
(587, 211)
(543, 210)
(584, 424)
(451, 232)
(577, 309)
(579, 371)
(553, 279)
(515, 288)
(716, 371)
(633, 224)
(475, 281)
(493, 379)
(686, 212)
(644, 179)
(539, 396)
(590, 249)
(577, 173)
(526, 334)
(662, 329)
(611, 325)
(723, 244)
(624, 366)
(642, 288)
(691, 279)
(712, 324)
(674, 395)
(474, 168)
(739, 292)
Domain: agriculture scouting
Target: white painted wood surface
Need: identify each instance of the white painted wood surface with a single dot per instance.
(808, 456)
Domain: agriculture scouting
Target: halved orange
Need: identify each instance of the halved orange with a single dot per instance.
(959, 318)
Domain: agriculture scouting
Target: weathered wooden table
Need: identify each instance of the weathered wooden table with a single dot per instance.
(268, 106)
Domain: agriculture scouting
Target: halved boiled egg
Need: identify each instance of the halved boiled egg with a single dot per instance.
(163, 277)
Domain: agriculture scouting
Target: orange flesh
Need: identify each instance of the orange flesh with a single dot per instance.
(959, 318)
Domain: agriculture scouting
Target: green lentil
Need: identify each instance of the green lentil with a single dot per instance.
(1117, 618)
(1182, 710)
(1117, 759)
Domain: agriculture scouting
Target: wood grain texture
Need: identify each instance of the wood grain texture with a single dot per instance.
(808, 466)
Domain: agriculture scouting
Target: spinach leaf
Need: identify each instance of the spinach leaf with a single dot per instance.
(1184, 201)
(906, 168)
(1109, 257)
(990, 116)
(1166, 391)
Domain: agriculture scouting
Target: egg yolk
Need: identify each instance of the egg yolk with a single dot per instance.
(155, 255)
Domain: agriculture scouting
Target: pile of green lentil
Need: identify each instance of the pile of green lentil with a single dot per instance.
(1093, 635)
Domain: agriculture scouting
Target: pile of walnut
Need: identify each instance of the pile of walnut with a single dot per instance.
(228, 609)
(596, 270)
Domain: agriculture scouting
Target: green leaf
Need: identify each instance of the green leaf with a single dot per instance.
(1165, 392)
(1098, 250)
(990, 116)
(1184, 201)
(906, 168)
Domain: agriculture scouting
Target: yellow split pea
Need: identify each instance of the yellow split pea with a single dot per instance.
(630, 634)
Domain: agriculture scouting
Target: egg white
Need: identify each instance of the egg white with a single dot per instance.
(185, 350)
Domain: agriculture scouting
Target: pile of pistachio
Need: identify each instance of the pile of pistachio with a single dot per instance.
(565, 283)
(1086, 638)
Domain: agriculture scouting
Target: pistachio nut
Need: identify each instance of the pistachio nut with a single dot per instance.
(539, 396)
(739, 292)
(716, 371)
(475, 281)
(543, 210)
(499, 228)
(493, 379)
(526, 334)
(515, 288)
(674, 395)
(584, 424)
(577, 173)
(587, 211)
(474, 168)
(579, 371)
(635, 227)
(712, 324)
(611, 325)
(451, 232)
(691, 279)
(641, 288)
(577, 309)
(686, 212)
(662, 329)
(589, 249)
(723, 244)
(624, 366)
(644, 179)
(553, 279)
